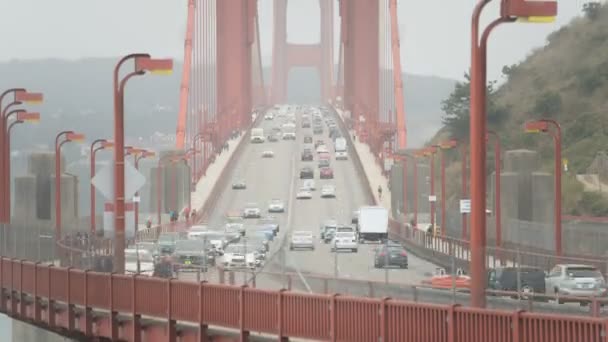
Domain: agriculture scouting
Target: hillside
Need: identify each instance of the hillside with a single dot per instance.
(566, 80)
(78, 95)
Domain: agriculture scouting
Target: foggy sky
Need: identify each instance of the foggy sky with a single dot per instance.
(434, 33)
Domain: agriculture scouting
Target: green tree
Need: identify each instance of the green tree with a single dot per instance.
(548, 104)
(457, 106)
(591, 10)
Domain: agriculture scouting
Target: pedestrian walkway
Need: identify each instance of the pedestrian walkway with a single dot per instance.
(372, 170)
(214, 171)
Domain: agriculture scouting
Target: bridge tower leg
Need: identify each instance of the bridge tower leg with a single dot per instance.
(286, 56)
(360, 40)
(235, 32)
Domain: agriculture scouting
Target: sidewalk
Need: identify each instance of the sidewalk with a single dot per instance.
(373, 172)
(214, 171)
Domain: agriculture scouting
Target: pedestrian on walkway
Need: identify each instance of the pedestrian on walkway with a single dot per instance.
(380, 192)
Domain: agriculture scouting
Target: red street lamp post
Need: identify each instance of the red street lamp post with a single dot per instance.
(143, 63)
(543, 126)
(20, 96)
(103, 145)
(497, 209)
(21, 117)
(69, 136)
(511, 10)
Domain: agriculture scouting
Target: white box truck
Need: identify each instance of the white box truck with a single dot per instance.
(257, 135)
(373, 224)
(340, 147)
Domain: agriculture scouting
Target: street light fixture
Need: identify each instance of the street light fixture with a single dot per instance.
(511, 10)
(21, 116)
(69, 136)
(544, 126)
(142, 64)
(20, 96)
(97, 145)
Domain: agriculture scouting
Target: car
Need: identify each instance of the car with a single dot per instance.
(328, 191)
(267, 154)
(235, 223)
(390, 255)
(323, 163)
(309, 184)
(307, 156)
(319, 143)
(276, 206)
(252, 210)
(305, 124)
(304, 193)
(345, 240)
(341, 155)
(269, 116)
(576, 280)
(326, 173)
(270, 222)
(192, 255)
(239, 256)
(239, 184)
(531, 280)
(326, 227)
(139, 261)
(167, 240)
(308, 139)
(317, 129)
(355, 217)
(307, 173)
(322, 149)
(217, 240)
(149, 246)
(302, 239)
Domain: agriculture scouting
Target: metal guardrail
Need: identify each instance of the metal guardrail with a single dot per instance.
(53, 296)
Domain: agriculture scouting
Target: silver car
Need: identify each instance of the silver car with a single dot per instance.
(302, 239)
(252, 210)
(576, 281)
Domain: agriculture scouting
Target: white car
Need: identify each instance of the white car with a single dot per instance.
(252, 211)
(341, 155)
(212, 238)
(235, 226)
(322, 149)
(276, 206)
(304, 193)
(141, 257)
(239, 256)
(309, 184)
(267, 154)
(328, 191)
(345, 240)
(302, 239)
(268, 116)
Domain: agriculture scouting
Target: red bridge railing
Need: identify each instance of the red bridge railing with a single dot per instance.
(63, 298)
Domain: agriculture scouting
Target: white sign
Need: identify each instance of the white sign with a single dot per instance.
(465, 206)
(432, 198)
(104, 180)
(136, 199)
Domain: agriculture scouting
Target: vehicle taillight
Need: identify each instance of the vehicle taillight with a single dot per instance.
(403, 253)
(382, 254)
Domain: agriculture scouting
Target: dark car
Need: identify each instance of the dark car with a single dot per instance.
(239, 185)
(532, 280)
(355, 217)
(307, 173)
(192, 255)
(317, 129)
(307, 156)
(305, 124)
(273, 138)
(308, 139)
(390, 255)
(326, 173)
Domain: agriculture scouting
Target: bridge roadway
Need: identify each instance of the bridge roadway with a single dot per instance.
(278, 177)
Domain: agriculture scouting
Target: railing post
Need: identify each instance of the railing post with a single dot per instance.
(280, 317)
(70, 305)
(221, 275)
(516, 317)
(383, 320)
(36, 297)
(113, 313)
(202, 327)
(88, 322)
(451, 320)
(51, 301)
(136, 317)
(333, 333)
(244, 334)
(171, 332)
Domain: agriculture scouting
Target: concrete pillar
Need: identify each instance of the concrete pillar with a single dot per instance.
(25, 198)
(509, 193)
(69, 200)
(542, 195)
(525, 161)
(396, 183)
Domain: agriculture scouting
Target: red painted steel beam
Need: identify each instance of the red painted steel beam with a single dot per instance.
(287, 56)
(184, 92)
(235, 27)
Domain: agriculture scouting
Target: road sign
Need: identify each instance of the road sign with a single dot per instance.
(104, 180)
(465, 206)
(432, 198)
